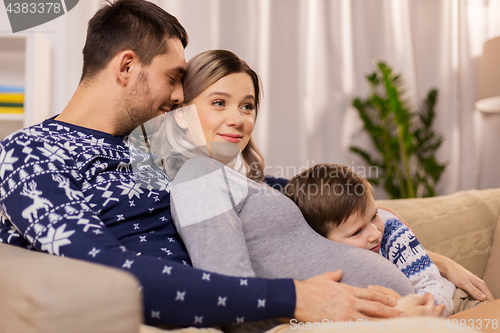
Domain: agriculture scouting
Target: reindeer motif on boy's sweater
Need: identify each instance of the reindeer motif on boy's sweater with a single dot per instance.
(398, 254)
(64, 184)
(413, 244)
(31, 212)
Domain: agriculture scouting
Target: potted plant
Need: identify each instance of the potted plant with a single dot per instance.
(405, 142)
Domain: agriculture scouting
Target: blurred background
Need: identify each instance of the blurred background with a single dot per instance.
(312, 57)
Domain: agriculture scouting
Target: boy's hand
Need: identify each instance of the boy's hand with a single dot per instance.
(419, 305)
(461, 277)
(323, 297)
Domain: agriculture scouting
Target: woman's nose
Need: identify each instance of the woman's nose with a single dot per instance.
(235, 118)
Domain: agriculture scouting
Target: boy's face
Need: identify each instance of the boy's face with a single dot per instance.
(361, 230)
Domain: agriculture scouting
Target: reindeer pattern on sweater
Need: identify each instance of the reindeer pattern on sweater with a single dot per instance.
(401, 247)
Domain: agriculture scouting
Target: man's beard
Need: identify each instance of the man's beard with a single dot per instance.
(135, 111)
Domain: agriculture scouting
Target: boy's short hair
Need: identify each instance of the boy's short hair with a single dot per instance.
(327, 194)
(137, 25)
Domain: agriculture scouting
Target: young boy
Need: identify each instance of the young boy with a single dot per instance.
(339, 205)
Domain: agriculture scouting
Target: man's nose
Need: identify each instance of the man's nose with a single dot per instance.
(177, 94)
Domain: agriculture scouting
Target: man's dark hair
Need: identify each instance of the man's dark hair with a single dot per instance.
(137, 25)
(327, 194)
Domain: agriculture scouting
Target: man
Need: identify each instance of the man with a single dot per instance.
(67, 188)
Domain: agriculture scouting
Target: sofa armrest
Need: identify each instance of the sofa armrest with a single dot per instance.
(460, 226)
(44, 293)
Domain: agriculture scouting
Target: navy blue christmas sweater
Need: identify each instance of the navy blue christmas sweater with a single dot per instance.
(71, 191)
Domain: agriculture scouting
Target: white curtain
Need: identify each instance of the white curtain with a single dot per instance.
(312, 56)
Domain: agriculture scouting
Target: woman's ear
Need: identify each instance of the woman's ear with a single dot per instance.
(180, 116)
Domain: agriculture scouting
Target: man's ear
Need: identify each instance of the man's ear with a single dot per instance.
(127, 66)
(180, 116)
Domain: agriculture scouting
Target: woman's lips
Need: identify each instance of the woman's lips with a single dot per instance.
(376, 248)
(234, 138)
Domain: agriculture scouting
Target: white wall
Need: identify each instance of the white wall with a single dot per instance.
(312, 56)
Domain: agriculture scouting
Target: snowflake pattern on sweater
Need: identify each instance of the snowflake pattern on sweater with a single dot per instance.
(70, 191)
(401, 247)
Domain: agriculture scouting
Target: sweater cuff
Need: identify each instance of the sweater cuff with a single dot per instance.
(281, 298)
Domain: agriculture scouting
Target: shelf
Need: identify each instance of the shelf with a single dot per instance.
(25, 60)
(12, 116)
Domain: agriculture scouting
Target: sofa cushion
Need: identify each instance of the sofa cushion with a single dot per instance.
(48, 294)
(492, 271)
(459, 226)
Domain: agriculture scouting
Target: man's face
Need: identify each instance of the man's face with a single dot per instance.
(157, 88)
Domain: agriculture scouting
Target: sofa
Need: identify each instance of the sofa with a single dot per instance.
(40, 293)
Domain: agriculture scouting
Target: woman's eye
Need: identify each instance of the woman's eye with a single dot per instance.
(172, 79)
(248, 108)
(219, 103)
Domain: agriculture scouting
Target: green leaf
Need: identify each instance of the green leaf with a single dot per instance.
(405, 142)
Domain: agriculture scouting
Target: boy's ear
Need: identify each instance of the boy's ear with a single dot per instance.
(127, 66)
(180, 116)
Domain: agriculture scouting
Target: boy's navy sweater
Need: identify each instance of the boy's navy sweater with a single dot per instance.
(71, 191)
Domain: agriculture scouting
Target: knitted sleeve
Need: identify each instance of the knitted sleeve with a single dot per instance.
(402, 248)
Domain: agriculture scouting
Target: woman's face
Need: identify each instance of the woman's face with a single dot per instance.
(226, 111)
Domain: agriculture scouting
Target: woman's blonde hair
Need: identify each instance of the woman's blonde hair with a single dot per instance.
(208, 67)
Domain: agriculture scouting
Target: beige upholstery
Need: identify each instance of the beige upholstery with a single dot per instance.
(492, 271)
(47, 294)
(42, 293)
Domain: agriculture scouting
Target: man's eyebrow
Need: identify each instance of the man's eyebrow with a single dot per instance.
(179, 69)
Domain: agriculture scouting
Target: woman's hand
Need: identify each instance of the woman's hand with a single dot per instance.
(419, 305)
(461, 277)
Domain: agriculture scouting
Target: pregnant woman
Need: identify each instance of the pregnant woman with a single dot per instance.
(237, 225)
